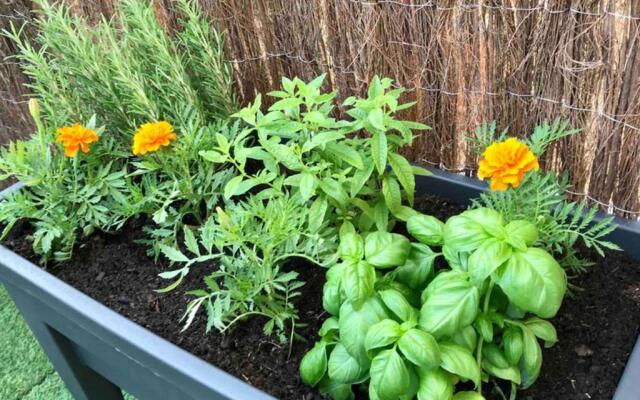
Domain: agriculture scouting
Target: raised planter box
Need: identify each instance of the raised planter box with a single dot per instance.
(98, 353)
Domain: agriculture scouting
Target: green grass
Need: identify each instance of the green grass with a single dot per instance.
(25, 371)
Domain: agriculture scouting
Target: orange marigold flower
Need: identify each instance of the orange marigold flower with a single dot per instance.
(506, 163)
(151, 136)
(76, 137)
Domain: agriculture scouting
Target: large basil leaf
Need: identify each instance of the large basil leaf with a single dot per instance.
(521, 233)
(398, 304)
(490, 220)
(343, 368)
(386, 250)
(351, 247)
(331, 297)
(427, 229)
(420, 348)
(382, 334)
(314, 364)
(419, 266)
(533, 281)
(495, 363)
(434, 385)
(358, 281)
(531, 361)
(458, 360)
(450, 304)
(463, 234)
(390, 375)
(487, 258)
(354, 325)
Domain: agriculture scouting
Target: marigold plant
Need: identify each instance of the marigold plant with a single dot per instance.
(506, 163)
(151, 136)
(76, 137)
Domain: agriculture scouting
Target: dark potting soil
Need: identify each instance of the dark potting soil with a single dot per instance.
(597, 327)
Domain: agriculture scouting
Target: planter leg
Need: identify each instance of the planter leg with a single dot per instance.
(83, 382)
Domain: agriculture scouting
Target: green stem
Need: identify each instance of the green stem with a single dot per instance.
(300, 255)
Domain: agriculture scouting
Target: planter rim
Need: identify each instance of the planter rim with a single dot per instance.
(168, 361)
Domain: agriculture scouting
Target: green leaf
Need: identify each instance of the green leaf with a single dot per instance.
(343, 368)
(334, 190)
(358, 281)
(314, 364)
(345, 153)
(390, 375)
(466, 337)
(403, 171)
(315, 117)
(521, 234)
(360, 178)
(426, 229)
(484, 327)
(434, 385)
(420, 171)
(351, 247)
(418, 268)
(382, 334)
(463, 234)
(420, 348)
(376, 119)
(491, 254)
(307, 185)
(458, 360)
(325, 137)
(512, 344)
(379, 151)
(391, 193)
(386, 250)
(336, 390)
(495, 363)
(190, 241)
(381, 215)
(285, 104)
(533, 281)
(213, 156)
(173, 254)
(398, 304)
(543, 330)
(450, 303)
(331, 296)
(317, 213)
(231, 186)
(531, 361)
(355, 324)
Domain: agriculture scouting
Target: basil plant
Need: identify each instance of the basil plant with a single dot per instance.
(405, 329)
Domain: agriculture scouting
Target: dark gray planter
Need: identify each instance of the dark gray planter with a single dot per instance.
(98, 353)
